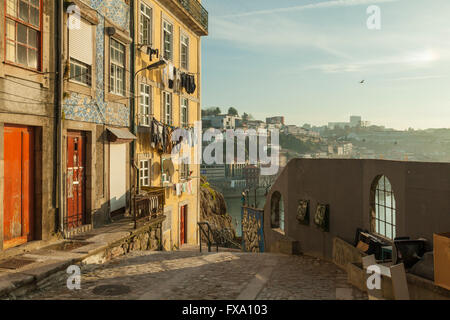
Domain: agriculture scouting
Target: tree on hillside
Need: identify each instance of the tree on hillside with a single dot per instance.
(214, 111)
(233, 112)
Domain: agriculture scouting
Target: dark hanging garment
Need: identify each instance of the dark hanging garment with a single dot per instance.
(153, 135)
(191, 85)
(184, 80)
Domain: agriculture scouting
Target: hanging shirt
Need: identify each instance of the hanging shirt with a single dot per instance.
(165, 76)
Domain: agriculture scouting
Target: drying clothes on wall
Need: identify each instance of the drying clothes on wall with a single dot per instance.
(171, 71)
(178, 186)
(177, 80)
(165, 76)
(188, 83)
(171, 75)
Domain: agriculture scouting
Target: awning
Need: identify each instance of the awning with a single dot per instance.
(117, 135)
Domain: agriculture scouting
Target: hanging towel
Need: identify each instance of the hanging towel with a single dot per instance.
(165, 76)
(177, 81)
(171, 71)
(178, 189)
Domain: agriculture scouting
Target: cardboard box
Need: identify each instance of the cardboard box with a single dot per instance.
(442, 259)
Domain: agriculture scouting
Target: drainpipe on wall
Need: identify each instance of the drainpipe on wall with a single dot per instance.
(199, 114)
(59, 88)
(133, 176)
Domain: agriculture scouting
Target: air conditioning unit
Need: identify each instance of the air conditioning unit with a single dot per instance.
(165, 179)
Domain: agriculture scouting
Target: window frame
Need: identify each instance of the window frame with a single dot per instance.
(378, 190)
(277, 213)
(167, 116)
(28, 25)
(184, 106)
(142, 15)
(172, 32)
(143, 107)
(144, 173)
(186, 43)
(117, 66)
(184, 170)
(72, 78)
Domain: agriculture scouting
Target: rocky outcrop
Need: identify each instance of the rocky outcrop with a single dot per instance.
(213, 209)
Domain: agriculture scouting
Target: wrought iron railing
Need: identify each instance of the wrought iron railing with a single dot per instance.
(215, 237)
(148, 205)
(208, 235)
(197, 11)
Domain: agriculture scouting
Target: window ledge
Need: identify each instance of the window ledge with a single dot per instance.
(22, 72)
(80, 88)
(278, 230)
(115, 98)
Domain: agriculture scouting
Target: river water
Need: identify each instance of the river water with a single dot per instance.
(234, 205)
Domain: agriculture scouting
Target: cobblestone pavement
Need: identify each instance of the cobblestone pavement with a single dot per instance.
(192, 275)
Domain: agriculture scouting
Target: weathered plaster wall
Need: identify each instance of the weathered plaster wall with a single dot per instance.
(27, 98)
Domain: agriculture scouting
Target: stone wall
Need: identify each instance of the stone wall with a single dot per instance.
(147, 238)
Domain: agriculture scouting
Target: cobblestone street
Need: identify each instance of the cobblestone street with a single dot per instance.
(192, 275)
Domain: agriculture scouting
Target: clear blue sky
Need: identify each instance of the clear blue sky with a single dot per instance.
(304, 59)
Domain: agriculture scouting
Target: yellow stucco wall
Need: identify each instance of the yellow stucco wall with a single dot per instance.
(171, 237)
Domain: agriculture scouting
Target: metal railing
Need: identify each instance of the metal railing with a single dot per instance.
(214, 237)
(209, 236)
(197, 11)
(148, 205)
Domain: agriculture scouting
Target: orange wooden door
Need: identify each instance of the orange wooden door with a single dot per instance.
(19, 182)
(75, 180)
(183, 221)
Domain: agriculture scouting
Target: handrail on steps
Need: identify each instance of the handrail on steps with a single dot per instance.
(209, 236)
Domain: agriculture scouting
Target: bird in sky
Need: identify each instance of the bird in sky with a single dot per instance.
(362, 82)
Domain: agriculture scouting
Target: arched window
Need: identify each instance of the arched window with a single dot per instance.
(277, 211)
(384, 208)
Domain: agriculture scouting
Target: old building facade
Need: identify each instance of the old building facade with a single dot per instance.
(96, 113)
(78, 105)
(169, 99)
(27, 165)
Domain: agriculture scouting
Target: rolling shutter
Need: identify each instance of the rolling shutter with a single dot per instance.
(81, 42)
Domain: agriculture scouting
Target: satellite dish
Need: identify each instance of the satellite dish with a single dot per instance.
(168, 166)
(156, 169)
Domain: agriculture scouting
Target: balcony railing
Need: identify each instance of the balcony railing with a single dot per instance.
(148, 205)
(197, 11)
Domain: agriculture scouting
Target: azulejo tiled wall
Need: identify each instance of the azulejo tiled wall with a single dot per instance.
(82, 108)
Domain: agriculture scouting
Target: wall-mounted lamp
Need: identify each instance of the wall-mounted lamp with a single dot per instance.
(110, 31)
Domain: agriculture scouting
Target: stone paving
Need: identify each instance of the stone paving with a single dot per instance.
(192, 275)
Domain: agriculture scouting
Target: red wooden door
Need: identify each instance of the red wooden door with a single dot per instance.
(183, 222)
(19, 182)
(75, 180)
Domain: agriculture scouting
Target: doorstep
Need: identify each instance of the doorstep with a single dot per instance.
(48, 258)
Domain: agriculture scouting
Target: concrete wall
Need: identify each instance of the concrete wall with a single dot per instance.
(421, 191)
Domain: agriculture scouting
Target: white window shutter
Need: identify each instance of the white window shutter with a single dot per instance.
(81, 43)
